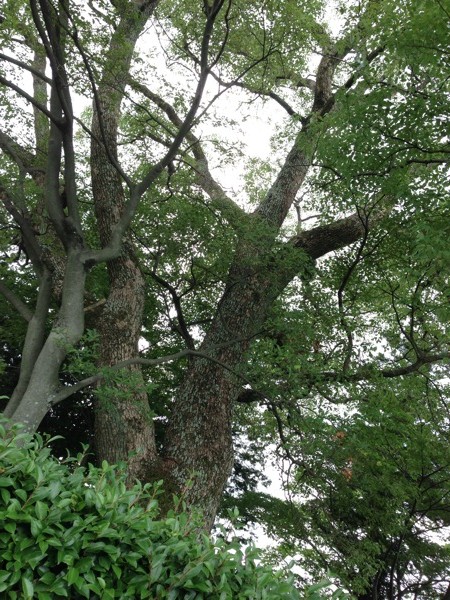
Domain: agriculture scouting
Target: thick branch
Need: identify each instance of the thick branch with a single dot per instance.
(327, 238)
(34, 340)
(280, 197)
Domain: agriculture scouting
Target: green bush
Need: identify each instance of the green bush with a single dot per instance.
(75, 532)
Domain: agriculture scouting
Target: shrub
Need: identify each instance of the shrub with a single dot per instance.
(77, 532)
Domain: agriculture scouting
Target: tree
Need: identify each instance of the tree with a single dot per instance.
(129, 235)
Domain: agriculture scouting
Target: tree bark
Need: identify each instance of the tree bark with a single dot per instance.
(198, 444)
(123, 422)
(43, 380)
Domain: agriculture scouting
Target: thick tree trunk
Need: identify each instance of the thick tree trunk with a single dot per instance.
(123, 421)
(198, 444)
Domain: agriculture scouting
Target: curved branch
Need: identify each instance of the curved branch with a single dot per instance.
(148, 362)
(34, 341)
(176, 299)
(15, 301)
(25, 66)
(270, 94)
(368, 371)
(23, 158)
(220, 199)
(33, 249)
(58, 122)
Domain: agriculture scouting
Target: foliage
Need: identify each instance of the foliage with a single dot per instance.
(369, 491)
(313, 279)
(76, 532)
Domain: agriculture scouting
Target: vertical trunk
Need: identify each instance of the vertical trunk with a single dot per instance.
(123, 421)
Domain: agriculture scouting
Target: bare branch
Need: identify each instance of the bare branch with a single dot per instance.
(269, 93)
(188, 120)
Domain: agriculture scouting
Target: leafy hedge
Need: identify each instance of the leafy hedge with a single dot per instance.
(75, 532)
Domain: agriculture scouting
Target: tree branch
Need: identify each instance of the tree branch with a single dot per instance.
(148, 362)
(111, 250)
(34, 341)
(20, 215)
(280, 197)
(182, 325)
(270, 94)
(15, 301)
(26, 67)
(24, 159)
(220, 199)
(327, 238)
(31, 100)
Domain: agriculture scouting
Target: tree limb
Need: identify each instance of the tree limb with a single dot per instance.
(27, 67)
(321, 240)
(220, 199)
(58, 122)
(34, 341)
(149, 362)
(15, 301)
(176, 299)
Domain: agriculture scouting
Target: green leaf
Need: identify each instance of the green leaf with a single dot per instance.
(27, 587)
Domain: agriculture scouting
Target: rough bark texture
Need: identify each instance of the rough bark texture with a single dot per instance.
(198, 443)
(123, 421)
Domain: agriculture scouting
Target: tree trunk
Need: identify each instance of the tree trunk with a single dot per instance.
(123, 421)
(198, 444)
(43, 382)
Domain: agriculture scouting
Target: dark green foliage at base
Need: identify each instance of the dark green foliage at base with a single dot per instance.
(74, 532)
